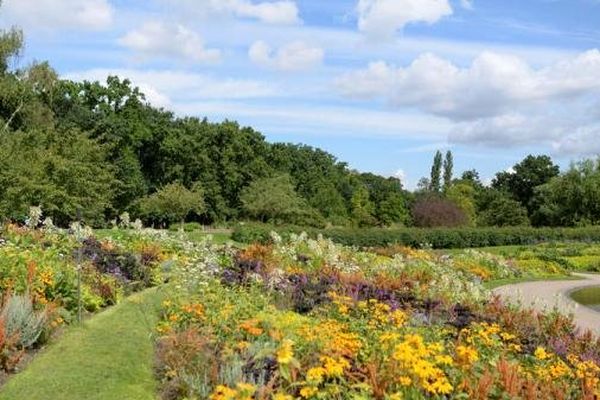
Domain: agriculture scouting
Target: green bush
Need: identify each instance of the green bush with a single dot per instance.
(22, 321)
(438, 238)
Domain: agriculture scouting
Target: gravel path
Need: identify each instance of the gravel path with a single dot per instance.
(547, 294)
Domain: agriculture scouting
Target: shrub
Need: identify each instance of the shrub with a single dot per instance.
(430, 212)
(22, 321)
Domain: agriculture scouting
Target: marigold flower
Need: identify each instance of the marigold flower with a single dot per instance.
(405, 380)
(466, 355)
(541, 354)
(281, 396)
(315, 375)
(308, 391)
(285, 353)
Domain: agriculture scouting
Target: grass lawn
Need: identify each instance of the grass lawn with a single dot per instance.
(109, 358)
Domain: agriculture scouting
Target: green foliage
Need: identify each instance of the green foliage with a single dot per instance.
(572, 199)
(448, 170)
(435, 183)
(362, 207)
(387, 198)
(498, 209)
(173, 203)
(63, 172)
(273, 200)
(463, 195)
(11, 44)
(533, 171)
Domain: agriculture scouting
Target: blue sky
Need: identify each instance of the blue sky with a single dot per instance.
(381, 84)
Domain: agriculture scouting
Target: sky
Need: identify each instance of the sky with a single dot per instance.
(381, 84)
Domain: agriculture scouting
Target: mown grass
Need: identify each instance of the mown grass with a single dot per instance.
(109, 358)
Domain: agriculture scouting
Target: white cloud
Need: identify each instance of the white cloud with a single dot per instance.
(155, 39)
(383, 18)
(337, 121)
(295, 56)
(512, 129)
(282, 12)
(165, 88)
(59, 14)
(400, 174)
(494, 84)
(466, 4)
(583, 142)
(496, 100)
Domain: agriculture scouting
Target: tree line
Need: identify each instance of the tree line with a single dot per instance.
(533, 192)
(94, 150)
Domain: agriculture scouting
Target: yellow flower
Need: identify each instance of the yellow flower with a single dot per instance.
(466, 355)
(285, 354)
(334, 368)
(405, 381)
(541, 354)
(315, 375)
(507, 336)
(396, 396)
(281, 396)
(308, 391)
(223, 393)
(515, 347)
(443, 360)
(558, 370)
(243, 345)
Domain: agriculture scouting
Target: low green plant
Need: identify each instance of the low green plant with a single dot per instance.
(22, 321)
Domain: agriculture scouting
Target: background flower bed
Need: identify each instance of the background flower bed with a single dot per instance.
(310, 319)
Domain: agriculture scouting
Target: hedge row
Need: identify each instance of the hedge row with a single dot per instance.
(441, 238)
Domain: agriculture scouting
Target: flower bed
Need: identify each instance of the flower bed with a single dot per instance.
(308, 319)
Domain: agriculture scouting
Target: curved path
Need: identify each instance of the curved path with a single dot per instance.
(548, 294)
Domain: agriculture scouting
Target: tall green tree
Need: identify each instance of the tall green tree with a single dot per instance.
(435, 181)
(448, 170)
